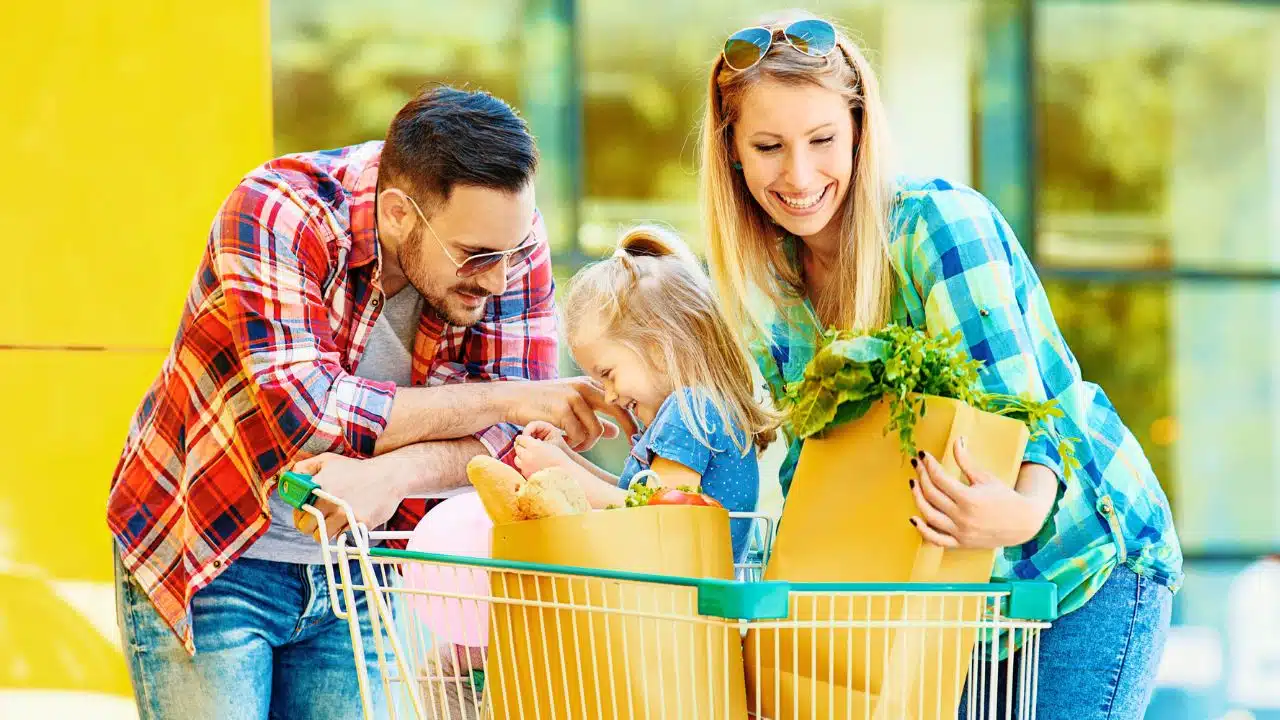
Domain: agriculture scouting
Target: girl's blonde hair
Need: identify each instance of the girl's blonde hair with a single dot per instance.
(744, 245)
(653, 296)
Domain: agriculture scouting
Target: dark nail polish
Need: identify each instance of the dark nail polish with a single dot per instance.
(912, 521)
(915, 462)
(920, 454)
(912, 483)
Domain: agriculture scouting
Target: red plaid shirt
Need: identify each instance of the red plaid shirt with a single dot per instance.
(261, 372)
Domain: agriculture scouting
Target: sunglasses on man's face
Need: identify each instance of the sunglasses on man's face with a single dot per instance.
(745, 48)
(480, 262)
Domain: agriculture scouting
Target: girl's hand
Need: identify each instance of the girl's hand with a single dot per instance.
(546, 432)
(533, 455)
(986, 513)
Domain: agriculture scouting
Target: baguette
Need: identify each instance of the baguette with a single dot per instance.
(497, 484)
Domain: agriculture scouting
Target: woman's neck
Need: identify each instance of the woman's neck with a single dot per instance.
(825, 244)
(817, 265)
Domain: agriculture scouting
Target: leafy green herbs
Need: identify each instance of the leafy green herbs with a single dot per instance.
(852, 371)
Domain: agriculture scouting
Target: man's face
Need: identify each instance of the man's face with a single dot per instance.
(474, 221)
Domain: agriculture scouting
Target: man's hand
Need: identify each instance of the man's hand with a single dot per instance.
(369, 486)
(570, 404)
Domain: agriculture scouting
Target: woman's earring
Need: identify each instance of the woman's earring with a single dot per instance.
(737, 165)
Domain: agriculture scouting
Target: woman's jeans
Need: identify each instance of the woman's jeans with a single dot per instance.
(1099, 662)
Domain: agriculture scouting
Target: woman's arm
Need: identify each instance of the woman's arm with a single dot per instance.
(985, 513)
(970, 277)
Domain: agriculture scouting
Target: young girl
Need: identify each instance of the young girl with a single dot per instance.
(644, 324)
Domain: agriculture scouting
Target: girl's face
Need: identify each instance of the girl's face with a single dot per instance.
(795, 143)
(628, 377)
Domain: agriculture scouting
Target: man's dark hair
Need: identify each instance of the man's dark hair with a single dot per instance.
(446, 137)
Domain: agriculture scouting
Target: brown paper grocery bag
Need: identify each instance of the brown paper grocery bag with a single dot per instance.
(609, 661)
(846, 519)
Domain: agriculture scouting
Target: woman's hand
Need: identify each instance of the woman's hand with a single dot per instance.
(986, 513)
(533, 455)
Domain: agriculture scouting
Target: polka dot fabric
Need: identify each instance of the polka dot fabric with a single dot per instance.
(727, 475)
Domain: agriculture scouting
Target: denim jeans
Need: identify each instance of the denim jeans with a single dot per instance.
(267, 646)
(1099, 662)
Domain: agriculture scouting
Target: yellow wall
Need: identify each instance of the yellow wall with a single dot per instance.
(122, 127)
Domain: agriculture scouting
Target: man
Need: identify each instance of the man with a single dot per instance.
(347, 319)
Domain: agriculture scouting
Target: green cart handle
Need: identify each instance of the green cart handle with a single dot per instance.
(296, 489)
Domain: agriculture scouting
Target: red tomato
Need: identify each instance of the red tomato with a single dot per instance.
(674, 496)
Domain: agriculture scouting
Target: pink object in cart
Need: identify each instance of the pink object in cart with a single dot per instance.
(457, 526)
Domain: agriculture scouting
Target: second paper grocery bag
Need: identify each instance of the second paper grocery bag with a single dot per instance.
(578, 647)
(846, 519)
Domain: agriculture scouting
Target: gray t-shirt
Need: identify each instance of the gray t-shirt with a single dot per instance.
(388, 356)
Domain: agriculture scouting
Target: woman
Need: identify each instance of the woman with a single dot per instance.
(802, 213)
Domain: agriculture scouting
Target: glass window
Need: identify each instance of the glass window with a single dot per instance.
(1193, 371)
(1154, 122)
(340, 71)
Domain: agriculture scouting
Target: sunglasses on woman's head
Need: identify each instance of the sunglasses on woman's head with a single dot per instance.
(745, 48)
(481, 262)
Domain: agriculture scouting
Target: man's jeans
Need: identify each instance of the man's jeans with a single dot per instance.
(267, 646)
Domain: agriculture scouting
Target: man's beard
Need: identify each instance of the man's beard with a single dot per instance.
(439, 307)
(435, 300)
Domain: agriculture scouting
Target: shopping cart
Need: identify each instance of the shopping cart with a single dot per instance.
(567, 642)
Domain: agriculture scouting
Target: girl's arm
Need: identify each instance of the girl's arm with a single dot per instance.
(674, 474)
(548, 433)
(601, 491)
(591, 467)
(601, 488)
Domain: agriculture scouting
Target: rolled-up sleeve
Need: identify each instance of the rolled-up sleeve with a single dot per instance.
(270, 264)
(976, 281)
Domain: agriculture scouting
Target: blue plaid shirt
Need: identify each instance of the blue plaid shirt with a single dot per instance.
(960, 268)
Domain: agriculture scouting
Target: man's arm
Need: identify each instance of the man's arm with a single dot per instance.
(375, 487)
(446, 412)
(432, 467)
(471, 408)
(270, 258)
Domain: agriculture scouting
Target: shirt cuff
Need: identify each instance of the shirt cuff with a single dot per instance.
(499, 441)
(358, 411)
(1043, 451)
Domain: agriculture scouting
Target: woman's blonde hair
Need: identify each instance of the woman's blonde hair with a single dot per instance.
(653, 296)
(745, 250)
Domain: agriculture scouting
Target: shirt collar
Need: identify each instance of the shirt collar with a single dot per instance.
(364, 213)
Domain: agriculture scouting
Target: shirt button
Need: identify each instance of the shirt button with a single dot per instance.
(374, 302)
(984, 312)
(217, 563)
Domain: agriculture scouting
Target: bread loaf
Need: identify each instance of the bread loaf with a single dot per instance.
(498, 485)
